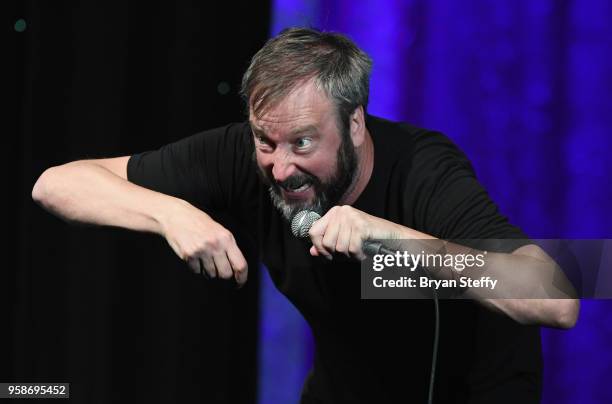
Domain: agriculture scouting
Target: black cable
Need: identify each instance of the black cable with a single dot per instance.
(372, 248)
(434, 355)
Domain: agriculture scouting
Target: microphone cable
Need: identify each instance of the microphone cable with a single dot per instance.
(434, 355)
(300, 226)
(372, 248)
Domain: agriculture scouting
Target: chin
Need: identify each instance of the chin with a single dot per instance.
(289, 207)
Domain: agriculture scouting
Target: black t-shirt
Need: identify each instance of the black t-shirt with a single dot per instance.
(374, 351)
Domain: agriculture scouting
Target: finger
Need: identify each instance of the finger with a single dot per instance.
(343, 240)
(314, 252)
(209, 266)
(317, 232)
(355, 246)
(224, 269)
(330, 237)
(203, 269)
(238, 263)
(194, 265)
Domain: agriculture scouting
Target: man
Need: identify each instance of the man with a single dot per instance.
(309, 144)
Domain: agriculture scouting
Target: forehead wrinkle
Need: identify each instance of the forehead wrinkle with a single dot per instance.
(304, 105)
(288, 116)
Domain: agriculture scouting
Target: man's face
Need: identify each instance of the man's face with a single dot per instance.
(301, 153)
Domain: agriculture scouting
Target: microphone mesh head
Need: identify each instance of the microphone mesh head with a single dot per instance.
(302, 222)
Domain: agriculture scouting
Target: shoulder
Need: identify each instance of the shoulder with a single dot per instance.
(413, 148)
(232, 133)
(222, 145)
(205, 160)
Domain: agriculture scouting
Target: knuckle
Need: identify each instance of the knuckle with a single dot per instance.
(226, 237)
(346, 208)
(359, 223)
(342, 243)
(188, 254)
(225, 274)
(328, 244)
(210, 244)
(312, 233)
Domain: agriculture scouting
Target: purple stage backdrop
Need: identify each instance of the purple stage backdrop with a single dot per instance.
(523, 87)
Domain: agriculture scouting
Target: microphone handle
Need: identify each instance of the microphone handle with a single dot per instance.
(371, 248)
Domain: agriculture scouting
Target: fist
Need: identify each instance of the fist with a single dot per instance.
(205, 245)
(343, 230)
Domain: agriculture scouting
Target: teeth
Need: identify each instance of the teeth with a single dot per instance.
(301, 189)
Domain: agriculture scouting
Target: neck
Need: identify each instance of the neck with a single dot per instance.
(365, 167)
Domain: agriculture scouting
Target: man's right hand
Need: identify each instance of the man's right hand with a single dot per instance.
(204, 244)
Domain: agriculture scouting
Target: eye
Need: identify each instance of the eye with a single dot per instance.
(261, 141)
(303, 142)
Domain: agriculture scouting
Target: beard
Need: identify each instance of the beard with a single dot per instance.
(327, 193)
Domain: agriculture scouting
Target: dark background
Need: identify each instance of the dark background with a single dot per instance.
(116, 313)
(523, 87)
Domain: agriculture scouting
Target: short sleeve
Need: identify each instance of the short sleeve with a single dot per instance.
(213, 169)
(450, 200)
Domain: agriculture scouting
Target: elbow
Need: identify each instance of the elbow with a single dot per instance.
(46, 190)
(566, 314)
(40, 190)
(556, 313)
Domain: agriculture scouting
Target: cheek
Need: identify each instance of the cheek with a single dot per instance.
(324, 167)
(263, 161)
(263, 165)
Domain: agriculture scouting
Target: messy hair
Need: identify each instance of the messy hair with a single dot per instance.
(298, 55)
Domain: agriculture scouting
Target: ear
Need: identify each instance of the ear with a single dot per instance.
(357, 126)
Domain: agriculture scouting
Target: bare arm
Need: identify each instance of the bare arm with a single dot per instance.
(98, 192)
(560, 313)
(528, 271)
(527, 276)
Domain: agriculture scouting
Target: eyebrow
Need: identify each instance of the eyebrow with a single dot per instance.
(293, 133)
(306, 128)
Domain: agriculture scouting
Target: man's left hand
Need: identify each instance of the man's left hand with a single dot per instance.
(343, 229)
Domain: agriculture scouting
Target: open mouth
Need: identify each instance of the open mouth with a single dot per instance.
(297, 190)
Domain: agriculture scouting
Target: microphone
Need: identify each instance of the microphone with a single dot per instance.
(304, 219)
(302, 222)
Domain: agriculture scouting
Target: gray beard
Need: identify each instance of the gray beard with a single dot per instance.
(331, 192)
(342, 181)
(288, 211)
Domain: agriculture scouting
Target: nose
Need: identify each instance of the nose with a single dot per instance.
(282, 168)
(279, 163)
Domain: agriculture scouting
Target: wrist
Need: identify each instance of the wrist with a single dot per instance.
(400, 232)
(165, 209)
